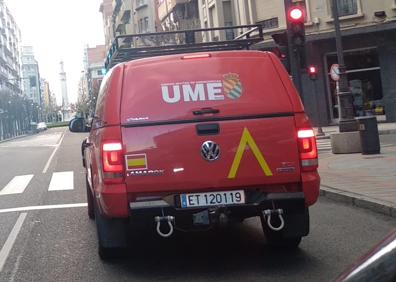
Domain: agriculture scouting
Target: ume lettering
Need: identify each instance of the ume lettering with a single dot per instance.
(211, 91)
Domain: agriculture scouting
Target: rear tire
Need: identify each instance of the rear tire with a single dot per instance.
(279, 242)
(91, 211)
(112, 236)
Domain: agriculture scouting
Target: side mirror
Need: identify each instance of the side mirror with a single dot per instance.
(78, 125)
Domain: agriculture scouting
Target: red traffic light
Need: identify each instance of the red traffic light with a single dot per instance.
(296, 14)
(312, 70)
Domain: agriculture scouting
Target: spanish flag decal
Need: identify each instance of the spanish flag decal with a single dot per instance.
(136, 161)
(247, 140)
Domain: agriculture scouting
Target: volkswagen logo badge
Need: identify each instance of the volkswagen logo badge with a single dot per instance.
(210, 151)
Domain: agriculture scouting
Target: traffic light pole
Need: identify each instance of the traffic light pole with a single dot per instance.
(347, 120)
(295, 68)
(294, 61)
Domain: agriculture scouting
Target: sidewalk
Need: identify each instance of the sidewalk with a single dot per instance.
(383, 128)
(13, 138)
(367, 181)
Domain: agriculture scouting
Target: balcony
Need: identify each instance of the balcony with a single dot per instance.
(120, 29)
(167, 6)
(140, 4)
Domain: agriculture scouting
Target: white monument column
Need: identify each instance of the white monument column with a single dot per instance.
(65, 99)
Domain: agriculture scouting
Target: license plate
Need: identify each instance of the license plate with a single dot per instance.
(212, 199)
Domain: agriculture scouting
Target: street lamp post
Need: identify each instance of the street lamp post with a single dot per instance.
(347, 120)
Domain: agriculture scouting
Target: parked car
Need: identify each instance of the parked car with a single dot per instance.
(41, 126)
(379, 264)
(191, 141)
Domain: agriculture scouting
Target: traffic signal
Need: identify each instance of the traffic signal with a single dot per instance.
(296, 30)
(313, 72)
(296, 20)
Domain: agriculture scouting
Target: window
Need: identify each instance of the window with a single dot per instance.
(146, 25)
(347, 7)
(364, 78)
(140, 25)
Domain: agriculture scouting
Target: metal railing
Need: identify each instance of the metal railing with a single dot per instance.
(136, 46)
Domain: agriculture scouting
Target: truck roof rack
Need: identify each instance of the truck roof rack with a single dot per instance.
(137, 46)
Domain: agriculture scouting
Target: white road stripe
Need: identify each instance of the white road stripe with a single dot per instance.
(53, 153)
(17, 185)
(61, 181)
(48, 207)
(323, 144)
(5, 251)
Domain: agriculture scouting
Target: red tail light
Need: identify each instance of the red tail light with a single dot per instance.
(112, 161)
(308, 149)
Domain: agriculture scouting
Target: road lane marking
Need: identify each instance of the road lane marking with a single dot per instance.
(61, 181)
(17, 185)
(5, 251)
(47, 207)
(53, 153)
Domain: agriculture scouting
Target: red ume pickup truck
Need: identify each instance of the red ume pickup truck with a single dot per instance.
(191, 141)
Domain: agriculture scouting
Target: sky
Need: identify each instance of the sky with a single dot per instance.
(59, 30)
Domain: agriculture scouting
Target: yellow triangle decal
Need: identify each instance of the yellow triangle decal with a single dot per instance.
(247, 140)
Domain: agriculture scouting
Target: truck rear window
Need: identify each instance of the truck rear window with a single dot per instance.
(226, 86)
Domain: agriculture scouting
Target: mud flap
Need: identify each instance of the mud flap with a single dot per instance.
(112, 232)
(296, 225)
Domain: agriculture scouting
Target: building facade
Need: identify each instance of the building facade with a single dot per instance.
(106, 8)
(178, 14)
(144, 16)
(45, 93)
(10, 57)
(94, 71)
(220, 13)
(368, 29)
(133, 16)
(31, 75)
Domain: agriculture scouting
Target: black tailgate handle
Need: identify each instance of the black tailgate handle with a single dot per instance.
(208, 129)
(205, 111)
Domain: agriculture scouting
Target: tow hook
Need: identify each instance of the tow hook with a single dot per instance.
(170, 220)
(268, 213)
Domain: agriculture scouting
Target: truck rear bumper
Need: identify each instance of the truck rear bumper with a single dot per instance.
(190, 219)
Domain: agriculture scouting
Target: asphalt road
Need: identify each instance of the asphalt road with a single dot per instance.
(60, 244)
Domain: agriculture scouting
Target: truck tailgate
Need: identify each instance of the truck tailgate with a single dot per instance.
(254, 151)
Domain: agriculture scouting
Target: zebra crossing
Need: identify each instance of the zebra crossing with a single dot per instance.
(60, 181)
(323, 145)
(17, 185)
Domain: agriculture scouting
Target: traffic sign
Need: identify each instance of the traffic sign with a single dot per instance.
(335, 72)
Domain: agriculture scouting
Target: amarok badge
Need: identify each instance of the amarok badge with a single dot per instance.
(232, 86)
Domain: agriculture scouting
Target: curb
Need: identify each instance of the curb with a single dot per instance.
(358, 200)
(380, 132)
(13, 138)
